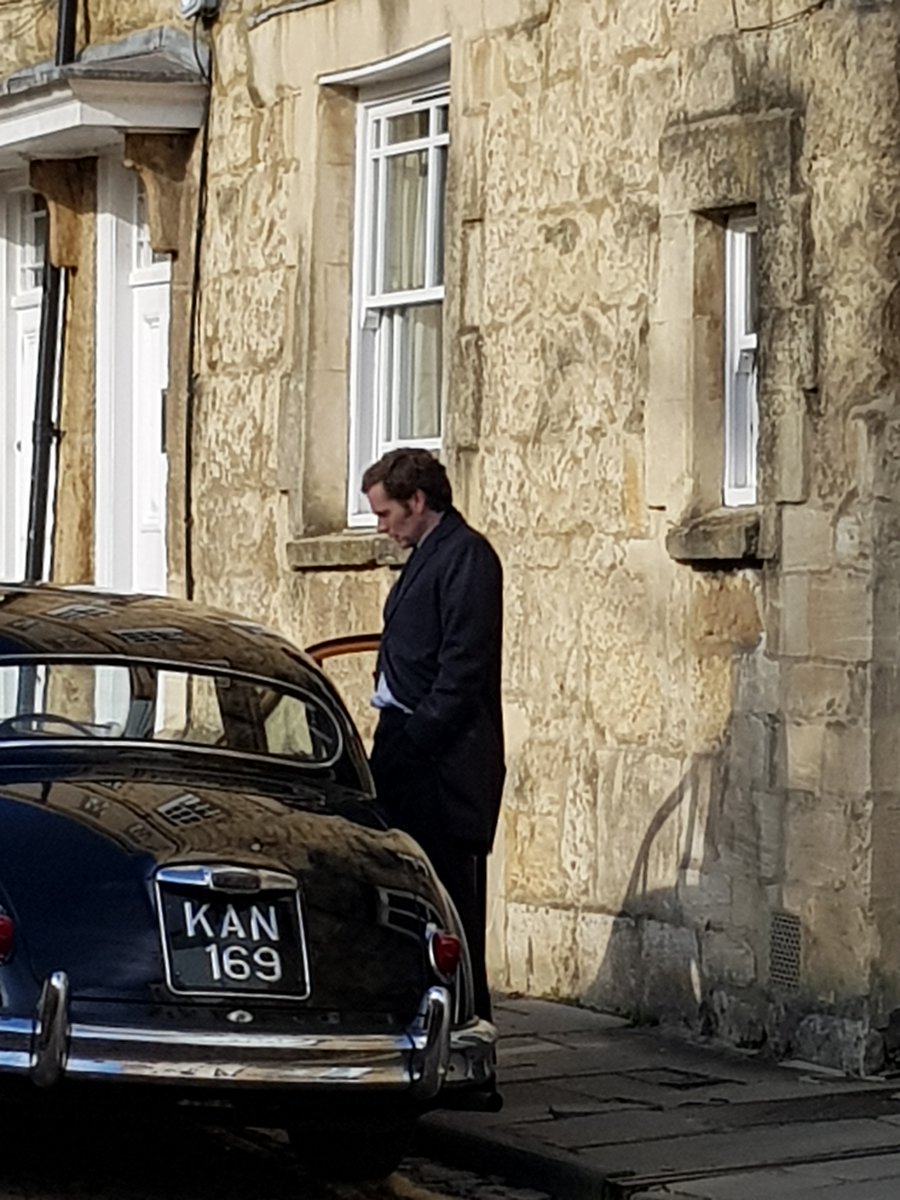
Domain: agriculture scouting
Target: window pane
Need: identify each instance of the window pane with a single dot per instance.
(441, 171)
(33, 242)
(404, 233)
(751, 313)
(419, 372)
(406, 127)
(441, 114)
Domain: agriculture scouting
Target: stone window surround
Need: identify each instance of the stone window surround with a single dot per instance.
(314, 410)
(711, 169)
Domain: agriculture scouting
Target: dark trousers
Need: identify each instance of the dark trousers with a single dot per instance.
(406, 780)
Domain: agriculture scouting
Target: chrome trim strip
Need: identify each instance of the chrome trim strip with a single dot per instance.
(206, 877)
(430, 1060)
(51, 1030)
(414, 1060)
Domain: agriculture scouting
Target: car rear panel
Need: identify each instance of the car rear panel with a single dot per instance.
(79, 867)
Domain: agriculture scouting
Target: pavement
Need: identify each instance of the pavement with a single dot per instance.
(598, 1109)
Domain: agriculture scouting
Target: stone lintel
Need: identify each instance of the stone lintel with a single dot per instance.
(69, 187)
(161, 160)
(343, 551)
(723, 536)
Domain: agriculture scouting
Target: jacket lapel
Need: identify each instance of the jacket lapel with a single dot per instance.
(417, 560)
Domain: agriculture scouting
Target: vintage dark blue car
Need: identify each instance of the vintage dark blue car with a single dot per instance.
(199, 898)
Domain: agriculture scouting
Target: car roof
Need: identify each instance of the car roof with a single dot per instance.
(47, 620)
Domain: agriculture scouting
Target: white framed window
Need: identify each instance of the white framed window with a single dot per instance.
(32, 213)
(398, 290)
(741, 373)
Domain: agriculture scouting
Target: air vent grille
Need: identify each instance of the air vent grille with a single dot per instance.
(784, 951)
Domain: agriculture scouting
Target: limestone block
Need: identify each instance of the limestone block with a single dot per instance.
(791, 360)
(793, 614)
(641, 25)
(468, 199)
(713, 77)
(826, 854)
(670, 963)
(695, 20)
(532, 864)
(818, 690)
(608, 961)
(472, 262)
(790, 466)
(784, 266)
(503, 14)
(840, 1043)
(753, 745)
(706, 897)
(838, 944)
(757, 678)
(643, 811)
(580, 852)
(840, 617)
(523, 54)
(750, 13)
(484, 77)
(233, 55)
(807, 538)
(804, 744)
(673, 300)
(709, 164)
(726, 959)
(266, 199)
(667, 481)
(845, 763)
(769, 808)
(109, 20)
(541, 950)
(852, 540)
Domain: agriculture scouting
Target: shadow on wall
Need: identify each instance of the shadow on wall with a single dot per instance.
(714, 951)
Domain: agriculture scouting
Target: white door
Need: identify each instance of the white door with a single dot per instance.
(22, 233)
(132, 371)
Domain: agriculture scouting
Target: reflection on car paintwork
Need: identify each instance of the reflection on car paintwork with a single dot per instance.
(188, 831)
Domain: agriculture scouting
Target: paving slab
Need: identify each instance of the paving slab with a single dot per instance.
(598, 1110)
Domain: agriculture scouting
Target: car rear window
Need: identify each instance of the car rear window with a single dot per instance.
(153, 702)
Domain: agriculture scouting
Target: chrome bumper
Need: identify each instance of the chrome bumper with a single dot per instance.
(427, 1057)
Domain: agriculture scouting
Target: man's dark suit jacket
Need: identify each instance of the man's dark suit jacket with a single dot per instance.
(440, 654)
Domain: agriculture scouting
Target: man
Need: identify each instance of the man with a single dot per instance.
(437, 756)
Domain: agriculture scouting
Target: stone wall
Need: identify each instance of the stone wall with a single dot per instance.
(701, 705)
(700, 751)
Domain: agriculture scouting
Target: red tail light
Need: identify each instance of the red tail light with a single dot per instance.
(444, 949)
(7, 936)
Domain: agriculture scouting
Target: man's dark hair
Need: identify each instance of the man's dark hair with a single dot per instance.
(405, 471)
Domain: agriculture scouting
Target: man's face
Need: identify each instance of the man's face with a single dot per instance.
(404, 521)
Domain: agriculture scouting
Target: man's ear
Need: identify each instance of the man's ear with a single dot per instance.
(418, 502)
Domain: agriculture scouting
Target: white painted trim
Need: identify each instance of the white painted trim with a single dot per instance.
(78, 116)
(109, 331)
(6, 397)
(740, 428)
(432, 56)
(369, 437)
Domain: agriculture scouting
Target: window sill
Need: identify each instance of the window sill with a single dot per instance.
(343, 551)
(722, 538)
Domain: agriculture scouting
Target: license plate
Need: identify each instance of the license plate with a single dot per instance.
(234, 945)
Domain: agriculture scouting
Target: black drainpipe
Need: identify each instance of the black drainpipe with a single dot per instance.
(49, 361)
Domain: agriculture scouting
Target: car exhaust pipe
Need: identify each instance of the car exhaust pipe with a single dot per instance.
(51, 1031)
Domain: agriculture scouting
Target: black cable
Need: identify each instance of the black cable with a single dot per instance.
(191, 392)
